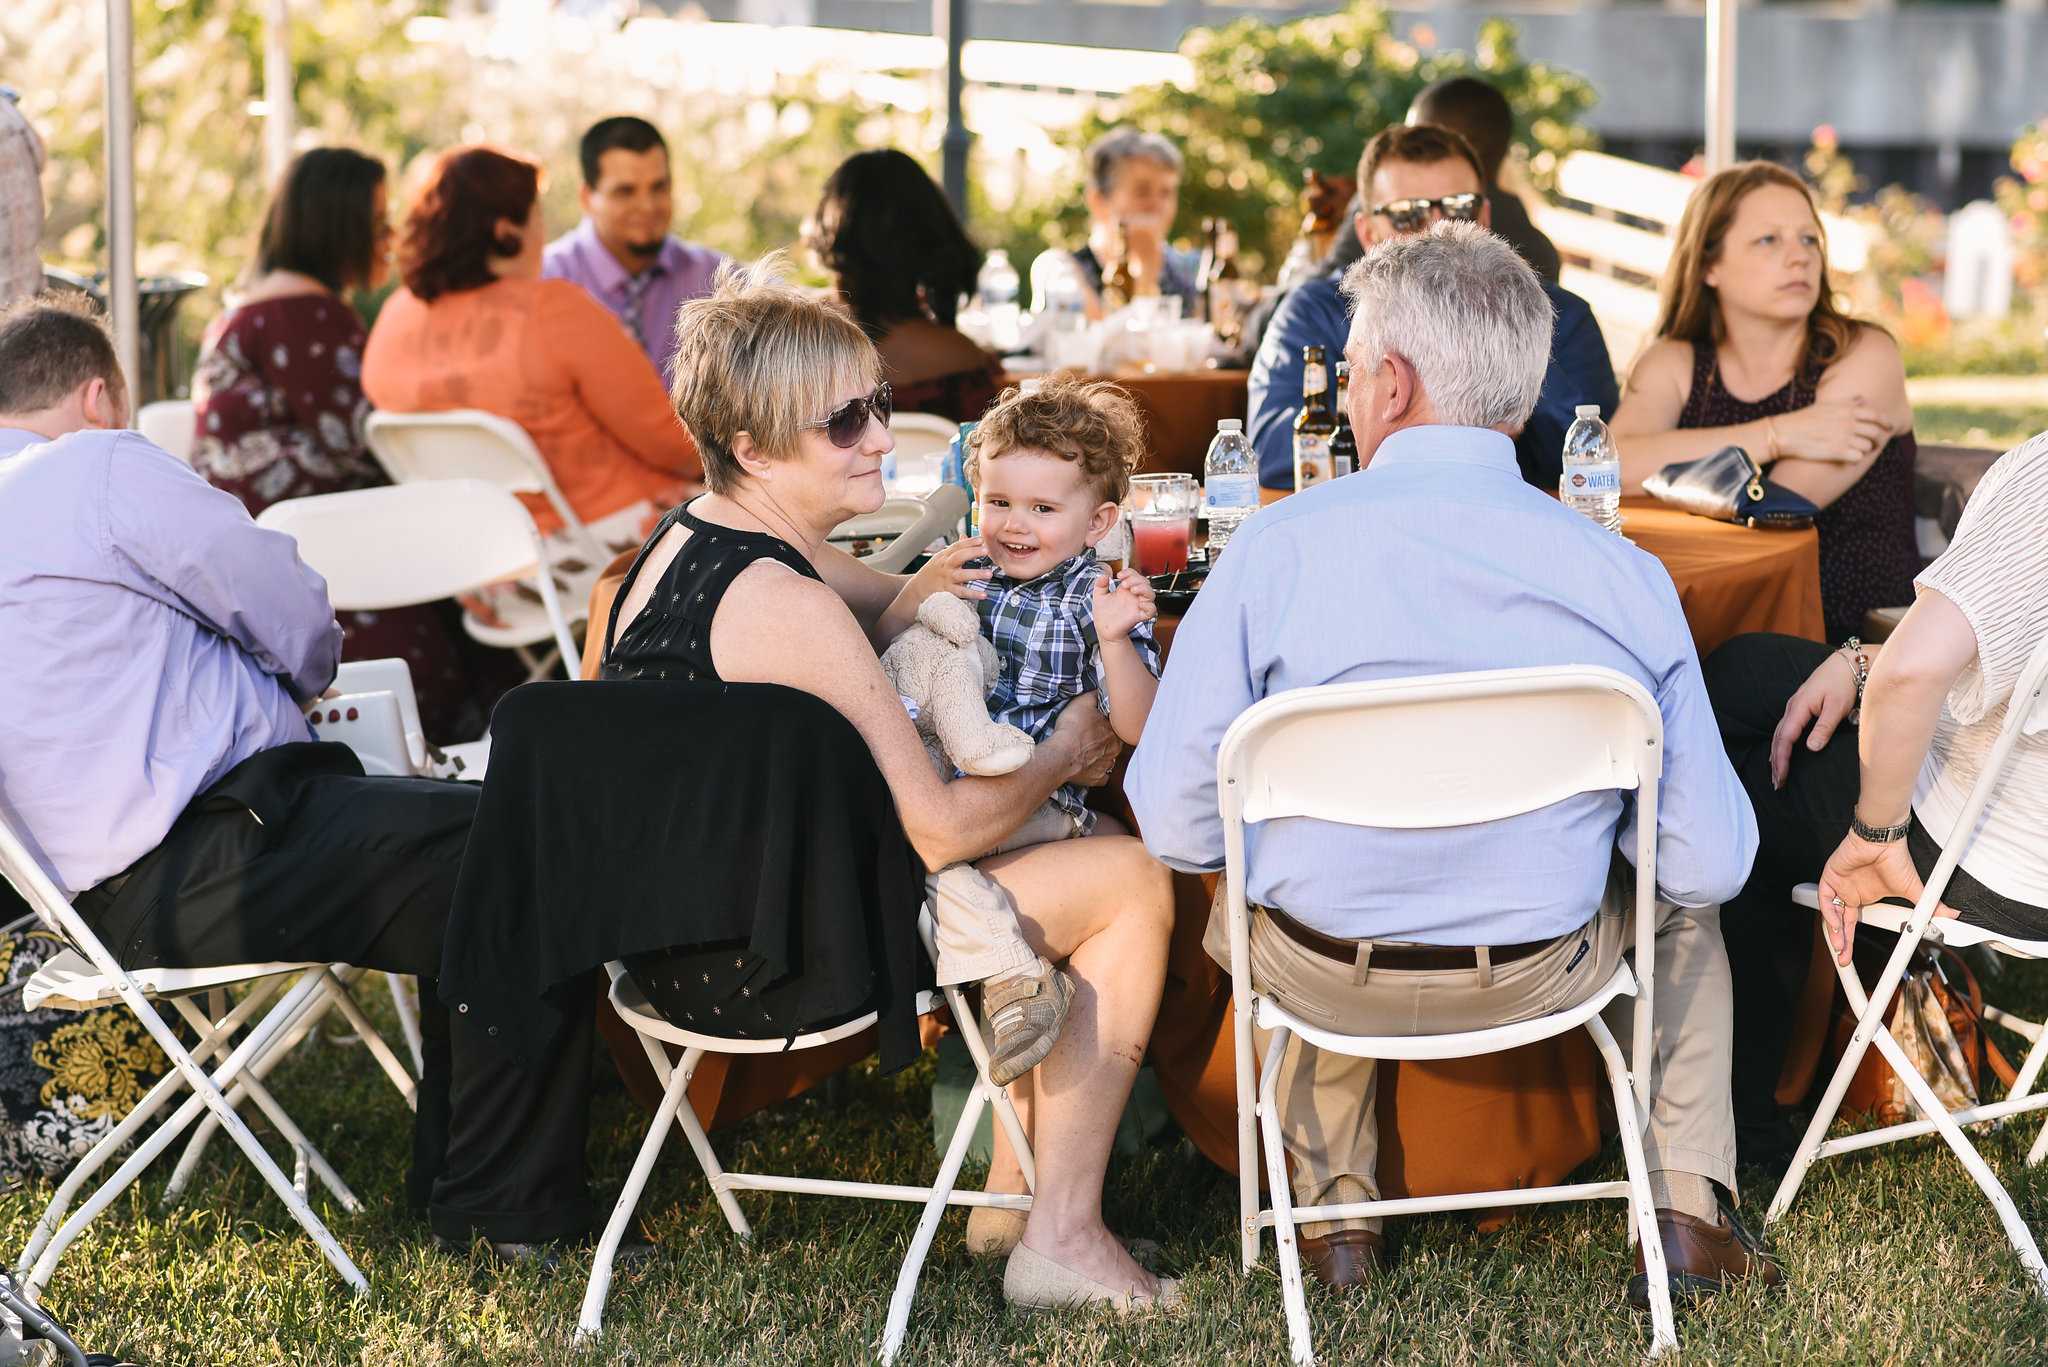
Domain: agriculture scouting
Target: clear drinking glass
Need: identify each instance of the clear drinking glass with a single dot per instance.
(1162, 510)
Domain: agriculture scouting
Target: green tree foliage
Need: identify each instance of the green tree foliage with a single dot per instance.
(1268, 103)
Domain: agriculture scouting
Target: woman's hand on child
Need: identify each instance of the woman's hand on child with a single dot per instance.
(1122, 603)
(946, 572)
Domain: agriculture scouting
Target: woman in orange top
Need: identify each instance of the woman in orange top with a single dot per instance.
(476, 327)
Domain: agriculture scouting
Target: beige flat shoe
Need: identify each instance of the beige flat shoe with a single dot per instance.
(1033, 1283)
(993, 1232)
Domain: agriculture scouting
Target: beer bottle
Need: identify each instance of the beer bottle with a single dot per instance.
(1316, 424)
(1118, 283)
(1343, 446)
(1225, 288)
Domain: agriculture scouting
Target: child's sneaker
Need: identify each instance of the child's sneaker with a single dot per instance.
(1022, 1015)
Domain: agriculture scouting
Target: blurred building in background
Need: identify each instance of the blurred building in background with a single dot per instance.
(1928, 96)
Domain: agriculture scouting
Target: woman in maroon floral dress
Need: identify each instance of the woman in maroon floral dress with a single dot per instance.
(278, 398)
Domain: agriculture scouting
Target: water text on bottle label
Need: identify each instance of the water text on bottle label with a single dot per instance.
(1604, 478)
(1233, 491)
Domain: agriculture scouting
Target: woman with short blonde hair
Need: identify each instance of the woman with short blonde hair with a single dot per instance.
(1752, 350)
(782, 393)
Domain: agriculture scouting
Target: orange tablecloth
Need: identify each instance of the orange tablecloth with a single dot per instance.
(1730, 579)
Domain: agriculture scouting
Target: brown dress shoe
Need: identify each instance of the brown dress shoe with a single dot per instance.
(1703, 1258)
(1344, 1257)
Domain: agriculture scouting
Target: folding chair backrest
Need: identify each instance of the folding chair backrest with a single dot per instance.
(465, 443)
(921, 434)
(391, 676)
(409, 543)
(2028, 708)
(1441, 750)
(168, 423)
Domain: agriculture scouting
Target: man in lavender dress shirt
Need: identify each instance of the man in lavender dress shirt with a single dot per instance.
(157, 648)
(622, 251)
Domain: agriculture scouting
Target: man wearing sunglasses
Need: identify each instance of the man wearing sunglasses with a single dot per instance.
(1412, 177)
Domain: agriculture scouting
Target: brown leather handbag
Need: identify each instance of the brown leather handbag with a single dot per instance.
(1938, 1019)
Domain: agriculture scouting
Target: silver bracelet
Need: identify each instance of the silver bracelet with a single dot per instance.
(1859, 664)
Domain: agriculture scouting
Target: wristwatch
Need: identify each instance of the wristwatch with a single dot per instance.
(1879, 835)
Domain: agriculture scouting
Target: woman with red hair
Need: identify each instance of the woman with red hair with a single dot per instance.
(477, 327)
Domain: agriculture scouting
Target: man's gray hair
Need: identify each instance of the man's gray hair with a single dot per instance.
(1108, 153)
(1460, 306)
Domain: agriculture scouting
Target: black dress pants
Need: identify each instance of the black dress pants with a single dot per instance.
(1769, 937)
(296, 856)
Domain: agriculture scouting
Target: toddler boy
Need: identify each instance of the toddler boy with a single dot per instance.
(1051, 469)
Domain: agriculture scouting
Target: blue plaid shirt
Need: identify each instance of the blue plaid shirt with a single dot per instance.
(1043, 630)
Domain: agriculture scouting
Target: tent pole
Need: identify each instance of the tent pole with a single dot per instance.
(279, 101)
(1720, 84)
(122, 294)
(949, 23)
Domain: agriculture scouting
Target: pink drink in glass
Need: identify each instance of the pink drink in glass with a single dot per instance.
(1159, 545)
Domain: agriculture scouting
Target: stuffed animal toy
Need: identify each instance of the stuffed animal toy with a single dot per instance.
(941, 666)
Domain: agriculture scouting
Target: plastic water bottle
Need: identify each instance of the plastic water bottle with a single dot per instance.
(1230, 479)
(997, 288)
(1591, 482)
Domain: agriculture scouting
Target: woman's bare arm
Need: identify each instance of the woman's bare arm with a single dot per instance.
(1871, 380)
(778, 627)
(1835, 429)
(1645, 425)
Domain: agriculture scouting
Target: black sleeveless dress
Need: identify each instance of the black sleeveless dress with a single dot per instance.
(719, 988)
(1868, 552)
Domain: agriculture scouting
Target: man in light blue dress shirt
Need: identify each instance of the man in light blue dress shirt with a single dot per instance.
(1435, 558)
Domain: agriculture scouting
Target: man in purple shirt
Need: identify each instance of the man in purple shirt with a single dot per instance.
(157, 648)
(622, 252)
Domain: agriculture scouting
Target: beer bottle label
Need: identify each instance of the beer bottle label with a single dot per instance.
(1311, 459)
(1313, 379)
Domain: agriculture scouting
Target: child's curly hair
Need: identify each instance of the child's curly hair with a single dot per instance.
(1096, 425)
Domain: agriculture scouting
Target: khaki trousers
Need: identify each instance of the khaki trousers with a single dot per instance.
(977, 932)
(1328, 1120)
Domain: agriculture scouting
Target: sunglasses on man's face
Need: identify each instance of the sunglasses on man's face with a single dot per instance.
(1413, 215)
(848, 423)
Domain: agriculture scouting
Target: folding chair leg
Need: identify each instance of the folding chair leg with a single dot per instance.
(977, 1048)
(1247, 1138)
(143, 1112)
(1838, 1087)
(206, 1096)
(249, 1085)
(1973, 1162)
(928, 1222)
(1642, 1212)
(1292, 1294)
(590, 1322)
(345, 1002)
(408, 1023)
(693, 1130)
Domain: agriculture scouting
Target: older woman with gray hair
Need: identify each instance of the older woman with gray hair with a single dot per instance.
(1376, 932)
(1133, 187)
(784, 397)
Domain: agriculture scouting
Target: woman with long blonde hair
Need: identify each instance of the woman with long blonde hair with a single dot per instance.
(1753, 351)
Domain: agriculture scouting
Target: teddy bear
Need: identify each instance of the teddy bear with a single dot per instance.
(941, 666)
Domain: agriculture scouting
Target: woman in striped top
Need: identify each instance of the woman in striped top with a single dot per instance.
(1932, 707)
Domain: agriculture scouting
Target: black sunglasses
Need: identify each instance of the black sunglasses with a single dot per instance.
(1411, 215)
(848, 423)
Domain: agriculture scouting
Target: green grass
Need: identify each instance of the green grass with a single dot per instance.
(1998, 429)
(1893, 1259)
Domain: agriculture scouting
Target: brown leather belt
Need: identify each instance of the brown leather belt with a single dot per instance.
(1414, 958)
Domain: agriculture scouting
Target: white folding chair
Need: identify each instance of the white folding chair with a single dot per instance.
(655, 1031)
(2026, 712)
(417, 543)
(919, 435)
(466, 443)
(94, 977)
(1440, 750)
(168, 423)
(907, 525)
